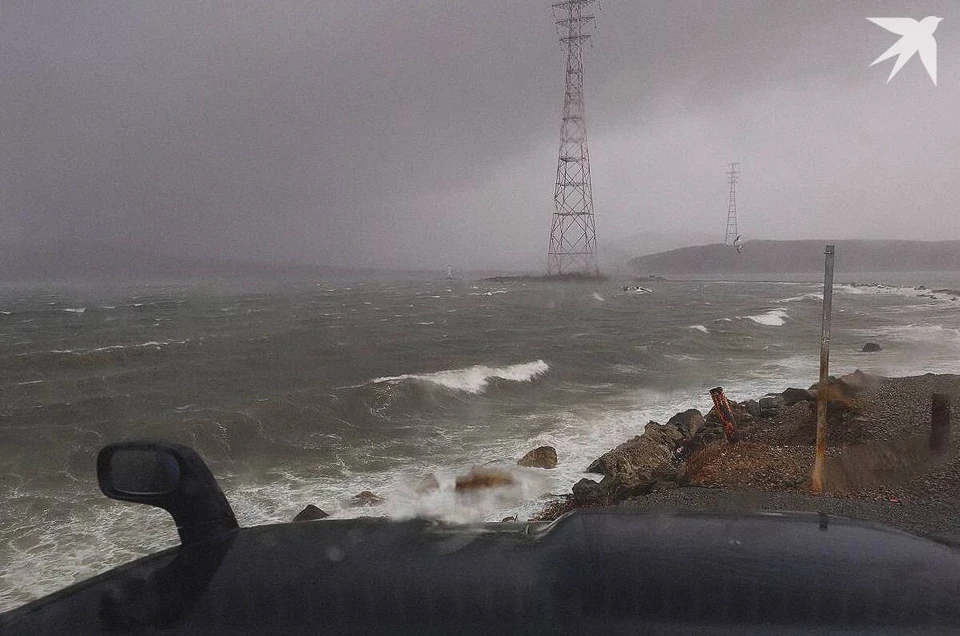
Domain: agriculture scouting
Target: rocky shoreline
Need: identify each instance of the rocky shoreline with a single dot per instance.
(879, 464)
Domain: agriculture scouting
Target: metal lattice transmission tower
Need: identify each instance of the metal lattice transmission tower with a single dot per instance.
(734, 174)
(573, 236)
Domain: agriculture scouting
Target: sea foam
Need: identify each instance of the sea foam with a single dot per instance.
(474, 379)
(793, 299)
(773, 318)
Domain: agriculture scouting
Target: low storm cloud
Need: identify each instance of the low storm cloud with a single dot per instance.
(397, 134)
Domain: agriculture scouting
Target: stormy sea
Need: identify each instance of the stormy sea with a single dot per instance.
(310, 392)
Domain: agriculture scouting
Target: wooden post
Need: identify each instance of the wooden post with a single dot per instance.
(725, 414)
(821, 456)
(940, 423)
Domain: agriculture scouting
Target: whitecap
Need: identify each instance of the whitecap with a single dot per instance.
(474, 379)
(773, 318)
(793, 299)
(75, 310)
(682, 357)
(885, 290)
(700, 328)
(597, 296)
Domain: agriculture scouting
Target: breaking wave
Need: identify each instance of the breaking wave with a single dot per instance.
(887, 290)
(700, 328)
(474, 379)
(773, 318)
(793, 299)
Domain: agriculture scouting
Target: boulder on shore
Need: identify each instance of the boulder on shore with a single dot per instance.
(753, 408)
(480, 478)
(845, 387)
(858, 381)
(541, 457)
(770, 403)
(588, 493)
(870, 347)
(634, 467)
(310, 513)
(793, 395)
(688, 422)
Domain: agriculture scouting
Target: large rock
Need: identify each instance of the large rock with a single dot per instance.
(769, 404)
(653, 433)
(480, 478)
(667, 435)
(688, 422)
(753, 408)
(310, 513)
(858, 381)
(587, 493)
(635, 466)
(793, 395)
(542, 457)
(870, 347)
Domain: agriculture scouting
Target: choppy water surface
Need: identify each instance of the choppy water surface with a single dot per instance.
(311, 392)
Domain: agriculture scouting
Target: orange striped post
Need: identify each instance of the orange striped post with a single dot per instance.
(725, 414)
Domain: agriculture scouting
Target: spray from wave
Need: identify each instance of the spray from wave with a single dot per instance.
(474, 379)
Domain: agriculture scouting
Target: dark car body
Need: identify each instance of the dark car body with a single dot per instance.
(588, 572)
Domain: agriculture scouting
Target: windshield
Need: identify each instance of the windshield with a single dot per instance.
(450, 260)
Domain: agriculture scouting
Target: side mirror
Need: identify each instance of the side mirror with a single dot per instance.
(169, 476)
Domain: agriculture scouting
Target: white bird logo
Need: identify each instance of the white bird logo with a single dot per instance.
(917, 36)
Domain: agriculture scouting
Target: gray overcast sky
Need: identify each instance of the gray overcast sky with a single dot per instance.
(417, 134)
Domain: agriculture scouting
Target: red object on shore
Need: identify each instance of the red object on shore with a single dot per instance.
(725, 414)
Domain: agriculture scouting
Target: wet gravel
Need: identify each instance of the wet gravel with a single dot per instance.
(917, 516)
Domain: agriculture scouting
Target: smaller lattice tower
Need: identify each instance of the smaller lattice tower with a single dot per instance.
(731, 236)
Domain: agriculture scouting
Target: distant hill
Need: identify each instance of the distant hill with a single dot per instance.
(787, 257)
